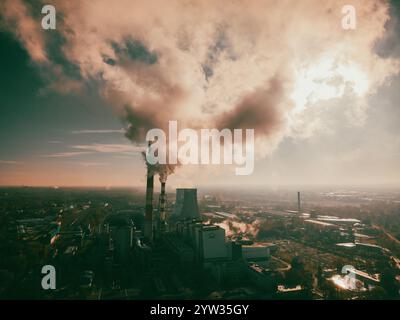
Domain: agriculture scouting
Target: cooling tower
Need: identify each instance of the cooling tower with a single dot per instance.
(186, 204)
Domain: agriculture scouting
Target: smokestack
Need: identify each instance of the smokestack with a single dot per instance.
(148, 224)
(161, 205)
(298, 202)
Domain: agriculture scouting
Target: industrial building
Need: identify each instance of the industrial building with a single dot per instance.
(211, 243)
(256, 252)
(260, 277)
(207, 240)
(181, 251)
(121, 231)
(192, 242)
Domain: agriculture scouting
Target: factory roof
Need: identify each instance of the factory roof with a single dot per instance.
(211, 227)
(369, 245)
(326, 224)
(255, 245)
(337, 219)
(118, 219)
(346, 244)
(283, 289)
(225, 214)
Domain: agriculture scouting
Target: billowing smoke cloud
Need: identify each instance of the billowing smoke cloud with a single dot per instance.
(259, 110)
(262, 110)
(238, 228)
(163, 170)
(261, 64)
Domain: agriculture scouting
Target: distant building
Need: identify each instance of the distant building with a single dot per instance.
(313, 214)
(284, 289)
(321, 224)
(255, 252)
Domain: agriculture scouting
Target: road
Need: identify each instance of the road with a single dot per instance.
(288, 265)
(390, 236)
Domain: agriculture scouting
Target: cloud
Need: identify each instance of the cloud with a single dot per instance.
(109, 148)
(97, 131)
(98, 148)
(9, 162)
(277, 66)
(66, 154)
(17, 17)
(93, 164)
(199, 64)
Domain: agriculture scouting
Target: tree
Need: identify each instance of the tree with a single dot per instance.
(377, 293)
(389, 283)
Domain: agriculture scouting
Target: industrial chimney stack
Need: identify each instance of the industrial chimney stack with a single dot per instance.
(148, 224)
(298, 202)
(162, 221)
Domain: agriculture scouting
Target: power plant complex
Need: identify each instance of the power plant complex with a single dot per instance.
(179, 238)
(179, 233)
(213, 248)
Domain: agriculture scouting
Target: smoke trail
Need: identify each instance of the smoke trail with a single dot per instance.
(163, 170)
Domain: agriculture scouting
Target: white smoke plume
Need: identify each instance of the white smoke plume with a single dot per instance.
(238, 228)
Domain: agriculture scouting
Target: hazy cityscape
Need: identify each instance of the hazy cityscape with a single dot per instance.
(202, 244)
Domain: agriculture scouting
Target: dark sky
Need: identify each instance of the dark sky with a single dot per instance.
(36, 125)
(30, 118)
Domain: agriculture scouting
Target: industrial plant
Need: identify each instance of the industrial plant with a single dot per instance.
(187, 243)
(186, 238)
(198, 244)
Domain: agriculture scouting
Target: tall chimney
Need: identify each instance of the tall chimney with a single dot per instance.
(162, 205)
(148, 223)
(298, 202)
